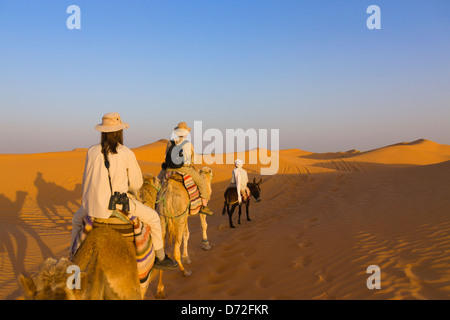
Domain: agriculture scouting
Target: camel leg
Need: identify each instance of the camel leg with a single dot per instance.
(177, 253)
(186, 235)
(163, 230)
(205, 243)
(247, 206)
(160, 291)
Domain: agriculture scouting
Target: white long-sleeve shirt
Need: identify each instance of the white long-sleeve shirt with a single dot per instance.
(239, 180)
(126, 176)
(243, 180)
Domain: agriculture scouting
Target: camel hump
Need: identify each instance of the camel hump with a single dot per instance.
(177, 177)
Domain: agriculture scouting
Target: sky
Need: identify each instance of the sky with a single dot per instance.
(311, 69)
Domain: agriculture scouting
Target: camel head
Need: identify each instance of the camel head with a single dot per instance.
(207, 174)
(51, 283)
(149, 190)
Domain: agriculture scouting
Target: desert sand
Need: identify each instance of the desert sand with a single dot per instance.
(323, 219)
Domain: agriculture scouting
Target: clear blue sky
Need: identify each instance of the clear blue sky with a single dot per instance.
(309, 68)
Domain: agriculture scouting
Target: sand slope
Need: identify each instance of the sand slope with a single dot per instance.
(323, 219)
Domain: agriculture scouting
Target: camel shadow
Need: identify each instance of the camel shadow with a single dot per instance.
(14, 231)
(50, 196)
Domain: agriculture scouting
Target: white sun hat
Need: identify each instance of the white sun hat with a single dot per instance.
(182, 130)
(111, 122)
(238, 162)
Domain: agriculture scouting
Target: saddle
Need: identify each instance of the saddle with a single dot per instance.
(133, 230)
(176, 176)
(119, 222)
(191, 188)
(245, 196)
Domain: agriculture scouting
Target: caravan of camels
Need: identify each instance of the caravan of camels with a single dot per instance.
(114, 256)
(325, 220)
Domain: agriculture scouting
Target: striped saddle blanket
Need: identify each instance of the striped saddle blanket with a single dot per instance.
(191, 187)
(134, 231)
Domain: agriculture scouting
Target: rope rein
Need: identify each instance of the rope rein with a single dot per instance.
(163, 199)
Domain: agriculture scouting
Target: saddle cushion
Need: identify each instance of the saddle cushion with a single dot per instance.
(191, 187)
(245, 194)
(134, 231)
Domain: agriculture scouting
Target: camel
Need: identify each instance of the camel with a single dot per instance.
(108, 264)
(109, 271)
(231, 199)
(149, 191)
(173, 207)
(148, 195)
(107, 260)
(51, 282)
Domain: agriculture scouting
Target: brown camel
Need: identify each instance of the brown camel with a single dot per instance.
(149, 191)
(107, 261)
(173, 207)
(109, 271)
(51, 282)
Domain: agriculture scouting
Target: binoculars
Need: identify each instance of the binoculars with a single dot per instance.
(119, 198)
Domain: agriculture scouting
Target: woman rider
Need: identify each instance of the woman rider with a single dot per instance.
(125, 176)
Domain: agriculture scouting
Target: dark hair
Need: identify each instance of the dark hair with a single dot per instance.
(110, 141)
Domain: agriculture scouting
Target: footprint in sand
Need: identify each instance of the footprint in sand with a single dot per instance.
(230, 250)
(226, 267)
(305, 244)
(255, 263)
(265, 282)
(300, 235)
(323, 275)
(302, 262)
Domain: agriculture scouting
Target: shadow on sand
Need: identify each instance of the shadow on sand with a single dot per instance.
(50, 196)
(15, 232)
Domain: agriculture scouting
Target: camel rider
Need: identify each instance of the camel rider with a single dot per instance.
(239, 180)
(185, 163)
(124, 176)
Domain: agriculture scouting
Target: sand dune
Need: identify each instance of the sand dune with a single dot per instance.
(323, 219)
(417, 152)
(153, 152)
